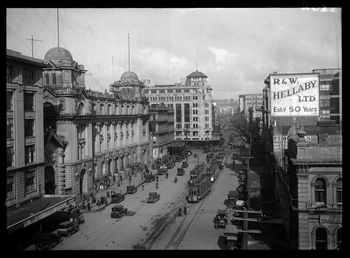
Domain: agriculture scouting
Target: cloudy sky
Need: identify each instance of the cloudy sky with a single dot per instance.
(236, 48)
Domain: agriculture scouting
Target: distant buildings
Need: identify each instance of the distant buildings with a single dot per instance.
(192, 103)
(162, 129)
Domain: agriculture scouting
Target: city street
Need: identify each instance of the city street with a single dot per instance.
(100, 231)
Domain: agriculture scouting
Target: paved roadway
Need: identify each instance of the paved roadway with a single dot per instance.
(100, 231)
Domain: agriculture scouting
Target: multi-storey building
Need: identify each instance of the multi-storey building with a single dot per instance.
(25, 199)
(314, 172)
(91, 137)
(251, 102)
(24, 123)
(330, 94)
(192, 103)
(298, 157)
(162, 124)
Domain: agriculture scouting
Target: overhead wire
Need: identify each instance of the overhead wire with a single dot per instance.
(26, 44)
(81, 53)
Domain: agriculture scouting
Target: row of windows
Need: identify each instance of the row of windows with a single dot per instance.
(171, 91)
(321, 191)
(28, 100)
(29, 183)
(29, 128)
(29, 154)
(11, 74)
(187, 126)
(172, 98)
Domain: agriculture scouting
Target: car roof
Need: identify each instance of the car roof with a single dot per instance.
(118, 206)
(66, 222)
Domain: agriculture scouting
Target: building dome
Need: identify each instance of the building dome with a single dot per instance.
(197, 74)
(129, 76)
(58, 53)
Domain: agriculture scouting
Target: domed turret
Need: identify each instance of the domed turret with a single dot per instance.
(59, 56)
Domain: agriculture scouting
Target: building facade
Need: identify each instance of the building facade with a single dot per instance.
(91, 137)
(314, 170)
(162, 129)
(330, 94)
(192, 103)
(24, 123)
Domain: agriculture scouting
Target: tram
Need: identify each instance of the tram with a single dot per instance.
(198, 189)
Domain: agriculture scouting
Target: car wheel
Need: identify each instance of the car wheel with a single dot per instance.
(39, 246)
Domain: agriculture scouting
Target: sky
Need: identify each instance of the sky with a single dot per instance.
(237, 48)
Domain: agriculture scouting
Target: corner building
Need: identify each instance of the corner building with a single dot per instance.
(91, 137)
(192, 103)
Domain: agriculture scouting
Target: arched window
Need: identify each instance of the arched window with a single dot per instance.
(109, 110)
(321, 239)
(339, 238)
(81, 109)
(320, 190)
(339, 191)
(101, 109)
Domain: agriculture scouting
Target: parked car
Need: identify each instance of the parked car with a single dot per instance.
(118, 211)
(184, 164)
(180, 172)
(68, 227)
(153, 197)
(220, 219)
(46, 241)
(130, 189)
(162, 170)
(149, 178)
(117, 197)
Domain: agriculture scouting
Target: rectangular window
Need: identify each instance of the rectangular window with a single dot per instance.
(161, 91)
(47, 79)
(178, 113)
(187, 112)
(206, 125)
(334, 105)
(10, 73)
(10, 187)
(54, 79)
(186, 90)
(28, 76)
(10, 157)
(153, 91)
(195, 111)
(195, 119)
(9, 127)
(195, 105)
(29, 180)
(29, 154)
(178, 126)
(195, 125)
(195, 98)
(178, 90)
(207, 119)
(9, 101)
(178, 133)
(101, 109)
(206, 105)
(28, 101)
(29, 127)
(195, 133)
(207, 111)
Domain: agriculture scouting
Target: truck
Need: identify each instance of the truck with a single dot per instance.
(231, 199)
(130, 189)
(116, 197)
(220, 219)
(153, 197)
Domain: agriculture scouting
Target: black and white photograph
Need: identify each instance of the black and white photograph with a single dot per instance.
(197, 128)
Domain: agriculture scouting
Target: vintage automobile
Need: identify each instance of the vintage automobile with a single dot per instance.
(180, 172)
(170, 165)
(131, 189)
(239, 205)
(153, 197)
(118, 211)
(184, 164)
(220, 219)
(231, 199)
(149, 178)
(46, 241)
(162, 170)
(68, 227)
(233, 239)
(116, 197)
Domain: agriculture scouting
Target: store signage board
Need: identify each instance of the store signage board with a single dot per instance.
(294, 95)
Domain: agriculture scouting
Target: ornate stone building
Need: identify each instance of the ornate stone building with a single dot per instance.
(91, 137)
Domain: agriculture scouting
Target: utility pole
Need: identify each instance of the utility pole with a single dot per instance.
(32, 40)
(245, 230)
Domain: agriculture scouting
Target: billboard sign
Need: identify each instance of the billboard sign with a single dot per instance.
(294, 94)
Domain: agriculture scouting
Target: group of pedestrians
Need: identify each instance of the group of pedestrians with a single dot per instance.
(180, 213)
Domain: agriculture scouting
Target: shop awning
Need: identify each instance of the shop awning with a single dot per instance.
(36, 210)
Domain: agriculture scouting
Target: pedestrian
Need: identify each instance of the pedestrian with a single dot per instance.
(180, 212)
(143, 187)
(88, 205)
(156, 185)
(108, 194)
(185, 210)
